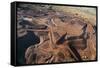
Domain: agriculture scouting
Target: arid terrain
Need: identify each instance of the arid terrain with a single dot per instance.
(55, 34)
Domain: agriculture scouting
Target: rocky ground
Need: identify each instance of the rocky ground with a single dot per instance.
(63, 36)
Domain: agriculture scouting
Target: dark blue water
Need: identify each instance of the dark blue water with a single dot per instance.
(23, 43)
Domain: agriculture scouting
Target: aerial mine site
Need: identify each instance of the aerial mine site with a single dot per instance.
(55, 34)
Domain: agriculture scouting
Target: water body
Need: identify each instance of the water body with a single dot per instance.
(24, 42)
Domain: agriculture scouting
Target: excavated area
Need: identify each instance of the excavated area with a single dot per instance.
(50, 36)
(66, 38)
